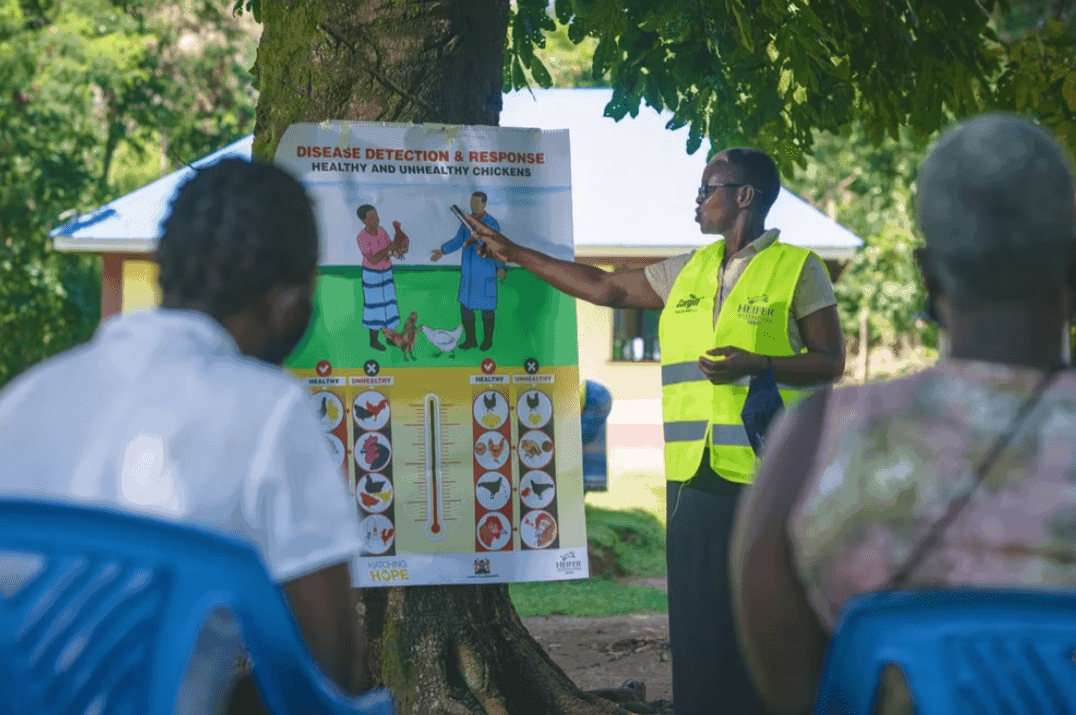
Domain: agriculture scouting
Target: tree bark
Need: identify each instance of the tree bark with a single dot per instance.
(448, 649)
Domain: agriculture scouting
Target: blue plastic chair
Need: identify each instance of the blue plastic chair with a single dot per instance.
(107, 615)
(961, 651)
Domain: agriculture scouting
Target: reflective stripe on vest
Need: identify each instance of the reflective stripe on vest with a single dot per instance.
(754, 317)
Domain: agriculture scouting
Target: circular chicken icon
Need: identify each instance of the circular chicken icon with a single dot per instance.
(491, 409)
(372, 451)
(537, 489)
(491, 451)
(371, 410)
(336, 448)
(328, 408)
(492, 491)
(535, 449)
(538, 529)
(374, 493)
(494, 531)
(379, 533)
(534, 409)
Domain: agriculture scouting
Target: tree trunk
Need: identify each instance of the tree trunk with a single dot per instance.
(440, 649)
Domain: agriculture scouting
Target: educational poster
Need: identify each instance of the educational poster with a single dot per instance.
(446, 382)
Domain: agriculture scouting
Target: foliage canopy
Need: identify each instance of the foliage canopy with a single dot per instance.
(99, 98)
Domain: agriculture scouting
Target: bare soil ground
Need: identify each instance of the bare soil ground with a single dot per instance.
(603, 652)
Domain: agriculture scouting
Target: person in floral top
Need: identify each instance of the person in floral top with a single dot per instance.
(853, 478)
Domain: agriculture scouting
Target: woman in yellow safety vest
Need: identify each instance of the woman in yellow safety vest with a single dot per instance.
(730, 311)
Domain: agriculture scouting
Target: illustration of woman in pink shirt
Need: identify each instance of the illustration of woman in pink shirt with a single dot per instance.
(379, 309)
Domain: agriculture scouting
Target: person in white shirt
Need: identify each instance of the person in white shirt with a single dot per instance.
(183, 413)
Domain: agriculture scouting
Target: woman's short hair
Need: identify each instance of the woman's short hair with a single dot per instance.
(996, 205)
(760, 171)
(236, 230)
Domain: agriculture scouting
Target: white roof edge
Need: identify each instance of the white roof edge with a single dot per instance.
(139, 245)
(104, 245)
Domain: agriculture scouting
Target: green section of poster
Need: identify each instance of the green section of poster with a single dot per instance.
(531, 321)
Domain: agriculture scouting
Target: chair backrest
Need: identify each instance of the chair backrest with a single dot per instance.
(106, 606)
(967, 651)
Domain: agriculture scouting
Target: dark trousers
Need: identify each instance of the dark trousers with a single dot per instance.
(709, 672)
(467, 315)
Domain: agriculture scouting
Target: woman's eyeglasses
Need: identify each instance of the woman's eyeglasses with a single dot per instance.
(706, 189)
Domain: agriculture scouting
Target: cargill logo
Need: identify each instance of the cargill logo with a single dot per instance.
(689, 303)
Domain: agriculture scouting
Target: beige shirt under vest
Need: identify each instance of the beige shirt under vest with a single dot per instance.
(814, 290)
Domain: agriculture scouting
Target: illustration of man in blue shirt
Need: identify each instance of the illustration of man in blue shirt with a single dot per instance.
(478, 277)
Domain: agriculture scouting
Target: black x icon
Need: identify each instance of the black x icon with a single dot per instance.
(531, 366)
(371, 367)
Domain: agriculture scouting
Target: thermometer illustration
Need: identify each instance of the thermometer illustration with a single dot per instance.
(435, 518)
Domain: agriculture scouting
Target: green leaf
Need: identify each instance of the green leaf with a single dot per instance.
(1068, 91)
(603, 55)
(695, 134)
(540, 73)
(744, 24)
(668, 92)
(677, 122)
(577, 30)
(653, 93)
(563, 10)
(519, 77)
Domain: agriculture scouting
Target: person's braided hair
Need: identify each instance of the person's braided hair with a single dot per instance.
(236, 230)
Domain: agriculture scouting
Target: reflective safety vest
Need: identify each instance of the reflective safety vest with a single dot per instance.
(754, 317)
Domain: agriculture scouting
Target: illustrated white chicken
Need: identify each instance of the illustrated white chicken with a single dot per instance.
(445, 340)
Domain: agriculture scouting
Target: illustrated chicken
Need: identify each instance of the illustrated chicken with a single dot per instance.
(496, 449)
(536, 487)
(401, 244)
(331, 410)
(492, 486)
(540, 487)
(403, 339)
(376, 408)
(374, 453)
(375, 493)
(547, 530)
(533, 402)
(369, 409)
(490, 531)
(445, 340)
(530, 448)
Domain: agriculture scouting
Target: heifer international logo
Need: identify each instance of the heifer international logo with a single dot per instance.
(568, 562)
(755, 310)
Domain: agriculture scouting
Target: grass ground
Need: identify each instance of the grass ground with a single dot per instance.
(626, 543)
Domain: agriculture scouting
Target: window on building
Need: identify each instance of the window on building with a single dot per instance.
(635, 335)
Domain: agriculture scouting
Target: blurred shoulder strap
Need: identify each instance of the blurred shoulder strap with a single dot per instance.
(903, 574)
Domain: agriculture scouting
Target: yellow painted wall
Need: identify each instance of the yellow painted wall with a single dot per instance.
(140, 289)
(625, 380)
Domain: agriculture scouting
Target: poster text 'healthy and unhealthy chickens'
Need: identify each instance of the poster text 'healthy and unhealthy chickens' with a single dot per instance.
(447, 382)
